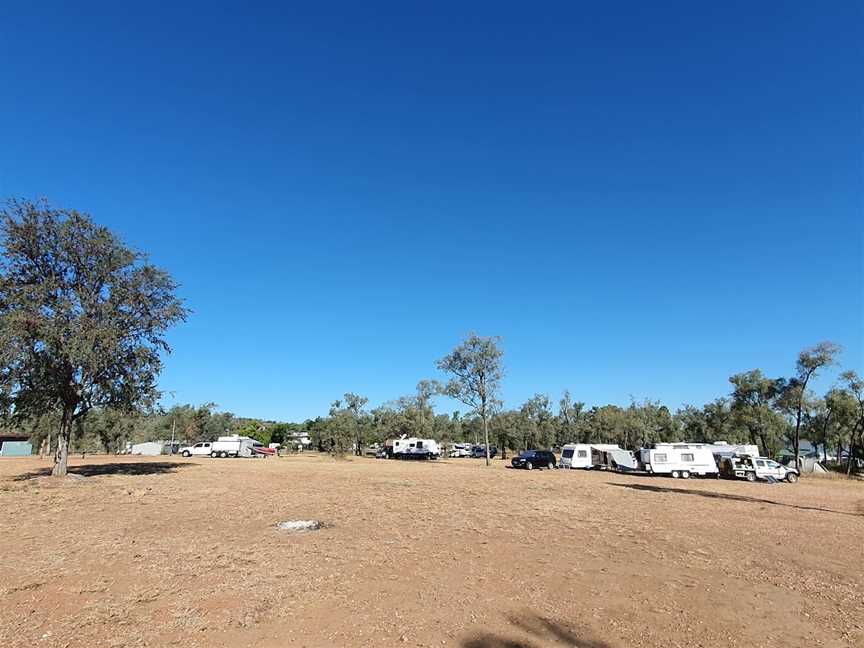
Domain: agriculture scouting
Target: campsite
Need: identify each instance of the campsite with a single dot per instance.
(441, 325)
(135, 551)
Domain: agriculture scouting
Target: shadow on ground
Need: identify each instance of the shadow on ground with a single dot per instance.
(542, 632)
(95, 470)
(728, 496)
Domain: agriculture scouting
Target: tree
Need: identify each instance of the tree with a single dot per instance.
(337, 430)
(810, 361)
(855, 386)
(506, 428)
(476, 370)
(570, 416)
(537, 417)
(753, 398)
(426, 390)
(82, 319)
(354, 408)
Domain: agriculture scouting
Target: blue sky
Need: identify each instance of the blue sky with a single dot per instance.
(640, 200)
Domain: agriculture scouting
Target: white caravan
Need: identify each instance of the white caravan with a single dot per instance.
(414, 448)
(582, 455)
(460, 450)
(678, 459)
(233, 446)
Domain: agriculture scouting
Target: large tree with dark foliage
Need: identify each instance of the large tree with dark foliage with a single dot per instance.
(82, 319)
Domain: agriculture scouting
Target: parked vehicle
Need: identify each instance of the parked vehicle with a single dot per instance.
(233, 446)
(753, 468)
(459, 450)
(678, 460)
(371, 450)
(198, 450)
(531, 459)
(479, 452)
(596, 455)
(414, 448)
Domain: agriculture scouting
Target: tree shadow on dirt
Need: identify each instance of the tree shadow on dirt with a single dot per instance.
(542, 632)
(729, 496)
(96, 470)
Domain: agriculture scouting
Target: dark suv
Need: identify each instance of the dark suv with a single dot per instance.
(531, 459)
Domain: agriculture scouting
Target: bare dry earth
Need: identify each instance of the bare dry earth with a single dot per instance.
(161, 552)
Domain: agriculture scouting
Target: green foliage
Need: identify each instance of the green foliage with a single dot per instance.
(476, 371)
(756, 402)
(82, 319)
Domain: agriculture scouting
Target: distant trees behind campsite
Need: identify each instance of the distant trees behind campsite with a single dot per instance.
(758, 409)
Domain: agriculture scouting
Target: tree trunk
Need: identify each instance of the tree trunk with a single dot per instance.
(61, 455)
(852, 450)
(486, 438)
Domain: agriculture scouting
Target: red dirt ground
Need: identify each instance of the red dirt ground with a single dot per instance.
(168, 552)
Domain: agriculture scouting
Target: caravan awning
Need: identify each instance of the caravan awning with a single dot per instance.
(622, 458)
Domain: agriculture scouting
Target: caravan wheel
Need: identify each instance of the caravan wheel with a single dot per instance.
(685, 474)
(674, 474)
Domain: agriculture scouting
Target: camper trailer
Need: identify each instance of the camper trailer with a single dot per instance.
(678, 459)
(460, 450)
(414, 448)
(233, 446)
(584, 455)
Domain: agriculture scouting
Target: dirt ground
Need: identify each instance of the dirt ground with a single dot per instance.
(172, 552)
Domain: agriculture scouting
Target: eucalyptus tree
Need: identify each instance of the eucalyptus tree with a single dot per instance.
(476, 371)
(855, 386)
(354, 405)
(83, 319)
(537, 427)
(753, 399)
(810, 361)
(426, 391)
(570, 416)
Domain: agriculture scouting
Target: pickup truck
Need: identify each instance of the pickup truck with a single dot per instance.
(199, 449)
(753, 468)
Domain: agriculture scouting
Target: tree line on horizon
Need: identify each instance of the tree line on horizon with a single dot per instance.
(82, 334)
(758, 410)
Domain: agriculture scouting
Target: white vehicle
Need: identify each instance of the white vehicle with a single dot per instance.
(579, 455)
(233, 446)
(460, 450)
(752, 468)
(414, 448)
(198, 450)
(678, 459)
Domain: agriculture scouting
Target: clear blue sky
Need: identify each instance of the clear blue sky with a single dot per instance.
(639, 200)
